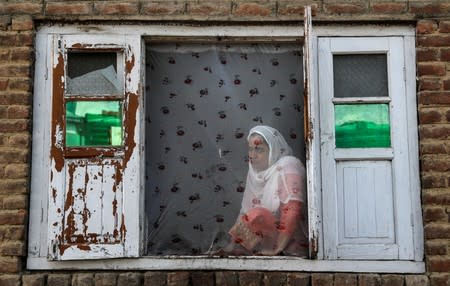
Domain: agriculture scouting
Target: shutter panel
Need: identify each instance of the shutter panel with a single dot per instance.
(95, 174)
(311, 129)
(365, 175)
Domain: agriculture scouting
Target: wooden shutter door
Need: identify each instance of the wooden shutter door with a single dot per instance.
(364, 151)
(95, 176)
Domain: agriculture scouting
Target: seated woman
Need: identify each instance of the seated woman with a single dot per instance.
(271, 220)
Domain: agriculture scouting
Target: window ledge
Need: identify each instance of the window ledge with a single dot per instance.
(237, 263)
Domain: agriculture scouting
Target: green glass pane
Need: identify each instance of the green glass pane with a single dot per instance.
(362, 125)
(93, 123)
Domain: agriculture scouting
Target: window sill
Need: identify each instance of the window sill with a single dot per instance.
(235, 263)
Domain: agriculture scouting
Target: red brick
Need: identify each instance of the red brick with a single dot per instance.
(444, 26)
(33, 279)
(433, 41)
(83, 279)
(298, 279)
(20, 8)
(22, 54)
(15, 98)
(229, 278)
(7, 39)
(435, 198)
(388, 8)
(3, 83)
(20, 140)
(23, 84)
(369, 280)
(9, 155)
(25, 39)
(14, 70)
(429, 84)
(15, 248)
(445, 55)
(209, 9)
(434, 214)
(435, 132)
(344, 8)
(437, 230)
(129, 279)
(321, 279)
(5, 22)
(392, 280)
(431, 181)
(429, 116)
(434, 164)
(291, 9)
(13, 186)
(16, 217)
(429, 9)
(4, 54)
(250, 278)
(15, 171)
(61, 280)
(111, 8)
(12, 232)
(13, 125)
(417, 280)
(201, 278)
(19, 112)
(439, 279)
(431, 69)
(10, 264)
(3, 111)
(168, 8)
(447, 116)
(9, 280)
(438, 264)
(436, 247)
(426, 27)
(22, 23)
(253, 10)
(274, 278)
(447, 84)
(109, 279)
(178, 278)
(343, 279)
(68, 8)
(15, 202)
(434, 97)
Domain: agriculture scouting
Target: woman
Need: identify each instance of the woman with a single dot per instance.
(271, 220)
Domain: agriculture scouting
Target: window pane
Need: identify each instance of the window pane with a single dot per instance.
(93, 123)
(360, 75)
(93, 73)
(362, 125)
(202, 101)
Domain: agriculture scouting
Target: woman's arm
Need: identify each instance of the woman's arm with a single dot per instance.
(289, 219)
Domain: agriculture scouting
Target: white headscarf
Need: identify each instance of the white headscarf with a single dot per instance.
(263, 186)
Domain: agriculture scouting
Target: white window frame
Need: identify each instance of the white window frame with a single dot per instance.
(37, 253)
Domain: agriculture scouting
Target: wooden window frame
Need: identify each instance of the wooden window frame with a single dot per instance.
(38, 211)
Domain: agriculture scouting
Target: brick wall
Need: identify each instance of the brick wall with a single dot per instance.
(17, 22)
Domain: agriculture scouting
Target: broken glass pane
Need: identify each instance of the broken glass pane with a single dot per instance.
(93, 73)
(93, 123)
(362, 125)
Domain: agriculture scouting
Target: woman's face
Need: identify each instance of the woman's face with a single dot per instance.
(258, 153)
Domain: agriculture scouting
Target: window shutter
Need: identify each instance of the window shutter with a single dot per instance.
(366, 186)
(93, 210)
(312, 146)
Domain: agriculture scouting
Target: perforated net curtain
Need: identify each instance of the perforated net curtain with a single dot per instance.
(201, 101)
